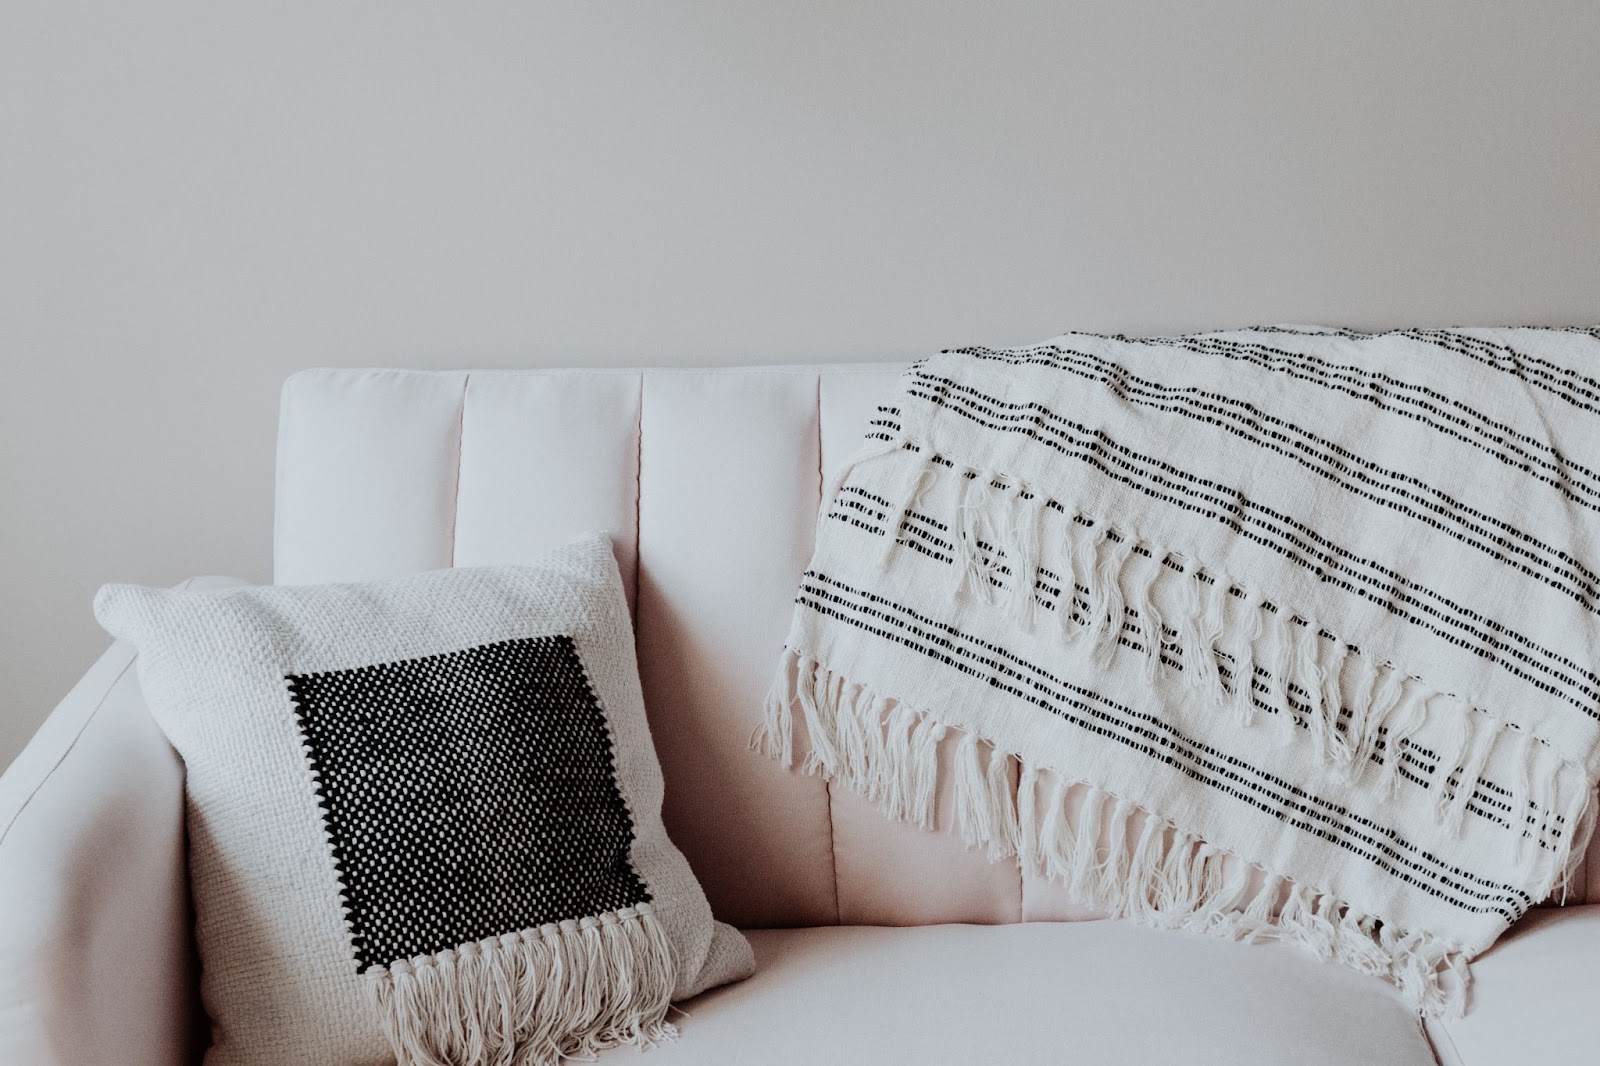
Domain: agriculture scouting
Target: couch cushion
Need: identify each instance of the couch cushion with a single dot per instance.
(1534, 996)
(1089, 992)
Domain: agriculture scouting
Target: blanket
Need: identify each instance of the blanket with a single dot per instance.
(1283, 633)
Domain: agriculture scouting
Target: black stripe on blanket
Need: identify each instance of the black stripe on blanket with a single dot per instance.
(1149, 735)
(923, 534)
(1541, 667)
(1443, 414)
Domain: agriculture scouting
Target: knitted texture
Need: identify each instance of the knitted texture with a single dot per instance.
(424, 816)
(1286, 632)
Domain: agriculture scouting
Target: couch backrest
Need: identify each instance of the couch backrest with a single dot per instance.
(709, 481)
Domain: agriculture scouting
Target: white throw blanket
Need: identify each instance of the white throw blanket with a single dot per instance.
(1280, 633)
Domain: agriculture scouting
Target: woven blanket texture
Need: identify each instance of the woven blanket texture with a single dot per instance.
(1281, 633)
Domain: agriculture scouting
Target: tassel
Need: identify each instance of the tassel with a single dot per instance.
(975, 509)
(1056, 838)
(532, 997)
(1144, 605)
(1189, 883)
(1456, 725)
(1519, 757)
(1029, 831)
(960, 539)
(1280, 656)
(1171, 891)
(855, 725)
(774, 737)
(1111, 617)
(1086, 855)
(1581, 816)
(1332, 659)
(1487, 733)
(1408, 716)
(1359, 944)
(1086, 565)
(869, 453)
(819, 717)
(1189, 624)
(1263, 906)
(1360, 684)
(1066, 599)
(1002, 801)
(1143, 867)
(1302, 921)
(1114, 868)
(907, 498)
(924, 765)
(1249, 630)
(1308, 675)
(1543, 771)
(1205, 880)
(972, 808)
(1385, 687)
(1209, 604)
(1224, 915)
(1022, 550)
(896, 781)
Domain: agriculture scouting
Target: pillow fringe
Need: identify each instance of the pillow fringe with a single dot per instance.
(531, 998)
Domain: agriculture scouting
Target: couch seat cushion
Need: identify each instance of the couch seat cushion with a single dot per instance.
(1085, 992)
(1535, 995)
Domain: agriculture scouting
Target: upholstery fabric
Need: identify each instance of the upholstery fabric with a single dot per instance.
(1533, 996)
(96, 942)
(1105, 993)
(413, 803)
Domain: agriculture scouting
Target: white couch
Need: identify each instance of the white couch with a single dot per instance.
(877, 943)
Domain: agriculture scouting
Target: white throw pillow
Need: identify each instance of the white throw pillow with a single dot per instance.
(424, 816)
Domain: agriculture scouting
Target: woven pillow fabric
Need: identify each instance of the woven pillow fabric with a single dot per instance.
(424, 816)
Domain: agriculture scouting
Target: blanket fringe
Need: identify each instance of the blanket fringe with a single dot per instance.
(532, 998)
(1106, 851)
(1113, 592)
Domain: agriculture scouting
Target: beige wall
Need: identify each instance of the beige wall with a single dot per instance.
(198, 198)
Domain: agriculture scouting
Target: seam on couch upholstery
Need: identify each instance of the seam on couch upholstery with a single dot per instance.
(48, 774)
(285, 401)
(827, 785)
(1022, 878)
(455, 492)
(638, 491)
(1441, 1044)
(105, 694)
(1584, 878)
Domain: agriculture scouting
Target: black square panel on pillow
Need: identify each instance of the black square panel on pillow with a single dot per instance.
(466, 795)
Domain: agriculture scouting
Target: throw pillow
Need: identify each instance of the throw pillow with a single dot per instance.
(424, 816)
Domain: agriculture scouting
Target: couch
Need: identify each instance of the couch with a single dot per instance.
(876, 942)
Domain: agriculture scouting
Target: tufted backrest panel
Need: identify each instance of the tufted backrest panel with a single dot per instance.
(709, 482)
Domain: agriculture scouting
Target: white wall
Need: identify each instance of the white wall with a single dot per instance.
(198, 198)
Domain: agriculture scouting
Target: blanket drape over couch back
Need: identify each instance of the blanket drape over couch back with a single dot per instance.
(1285, 632)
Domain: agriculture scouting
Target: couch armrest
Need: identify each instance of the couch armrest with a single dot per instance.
(95, 943)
